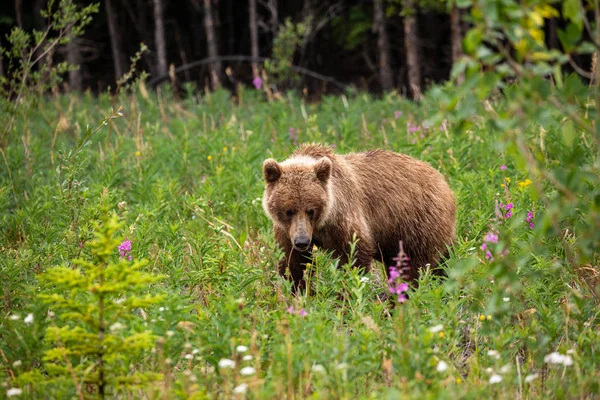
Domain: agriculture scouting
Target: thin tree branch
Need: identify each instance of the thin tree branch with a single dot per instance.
(242, 58)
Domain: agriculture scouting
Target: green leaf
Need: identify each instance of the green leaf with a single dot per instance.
(569, 133)
(572, 12)
(472, 40)
(569, 37)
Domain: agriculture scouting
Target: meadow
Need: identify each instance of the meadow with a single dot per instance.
(152, 203)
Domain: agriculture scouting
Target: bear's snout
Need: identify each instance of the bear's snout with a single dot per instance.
(301, 243)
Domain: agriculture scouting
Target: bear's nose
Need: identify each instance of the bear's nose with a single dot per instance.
(301, 242)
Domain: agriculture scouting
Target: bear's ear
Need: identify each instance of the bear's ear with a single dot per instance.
(271, 170)
(323, 169)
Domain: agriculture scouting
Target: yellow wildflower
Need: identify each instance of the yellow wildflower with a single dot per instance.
(525, 183)
(225, 149)
(138, 153)
(507, 179)
(489, 317)
(209, 158)
(458, 380)
(442, 334)
(482, 317)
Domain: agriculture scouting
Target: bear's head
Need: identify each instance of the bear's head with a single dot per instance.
(298, 196)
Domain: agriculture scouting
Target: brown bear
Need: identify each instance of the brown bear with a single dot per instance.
(316, 197)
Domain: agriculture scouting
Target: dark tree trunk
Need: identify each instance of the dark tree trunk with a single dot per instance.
(383, 47)
(1, 61)
(253, 36)
(74, 58)
(159, 38)
(19, 13)
(456, 37)
(211, 42)
(411, 45)
(115, 40)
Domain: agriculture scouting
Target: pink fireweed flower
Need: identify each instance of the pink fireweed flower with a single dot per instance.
(488, 255)
(397, 114)
(301, 312)
(396, 273)
(124, 249)
(444, 126)
(491, 238)
(484, 246)
(529, 218)
(509, 206)
(293, 134)
(502, 167)
(257, 82)
(509, 214)
(413, 128)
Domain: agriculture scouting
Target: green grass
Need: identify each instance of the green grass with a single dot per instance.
(185, 177)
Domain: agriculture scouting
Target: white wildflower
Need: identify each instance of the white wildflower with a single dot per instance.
(495, 379)
(195, 351)
(188, 357)
(493, 353)
(14, 317)
(17, 363)
(241, 389)
(436, 328)
(442, 366)
(247, 371)
(505, 369)
(13, 392)
(341, 366)
(531, 377)
(364, 279)
(28, 319)
(557, 358)
(170, 333)
(226, 363)
(117, 326)
(506, 299)
(318, 368)
(241, 349)
(161, 309)
(248, 357)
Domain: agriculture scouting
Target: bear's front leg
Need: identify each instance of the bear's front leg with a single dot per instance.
(294, 262)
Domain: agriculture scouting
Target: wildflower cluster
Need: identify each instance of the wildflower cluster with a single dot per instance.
(508, 208)
(398, 273)
(125, 249)
(257, 82)
(489, 238)
(557, 358)
(529, 218)
(301, 312)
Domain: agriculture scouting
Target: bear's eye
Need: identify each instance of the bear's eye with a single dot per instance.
(290, 213)
(311, 213)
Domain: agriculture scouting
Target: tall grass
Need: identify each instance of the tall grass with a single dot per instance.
(185, 178)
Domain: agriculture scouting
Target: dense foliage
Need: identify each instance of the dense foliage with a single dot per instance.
(185, 177)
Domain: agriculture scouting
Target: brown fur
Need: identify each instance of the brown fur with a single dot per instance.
(383, 197)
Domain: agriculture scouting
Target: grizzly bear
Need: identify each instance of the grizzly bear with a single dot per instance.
(316, 197)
